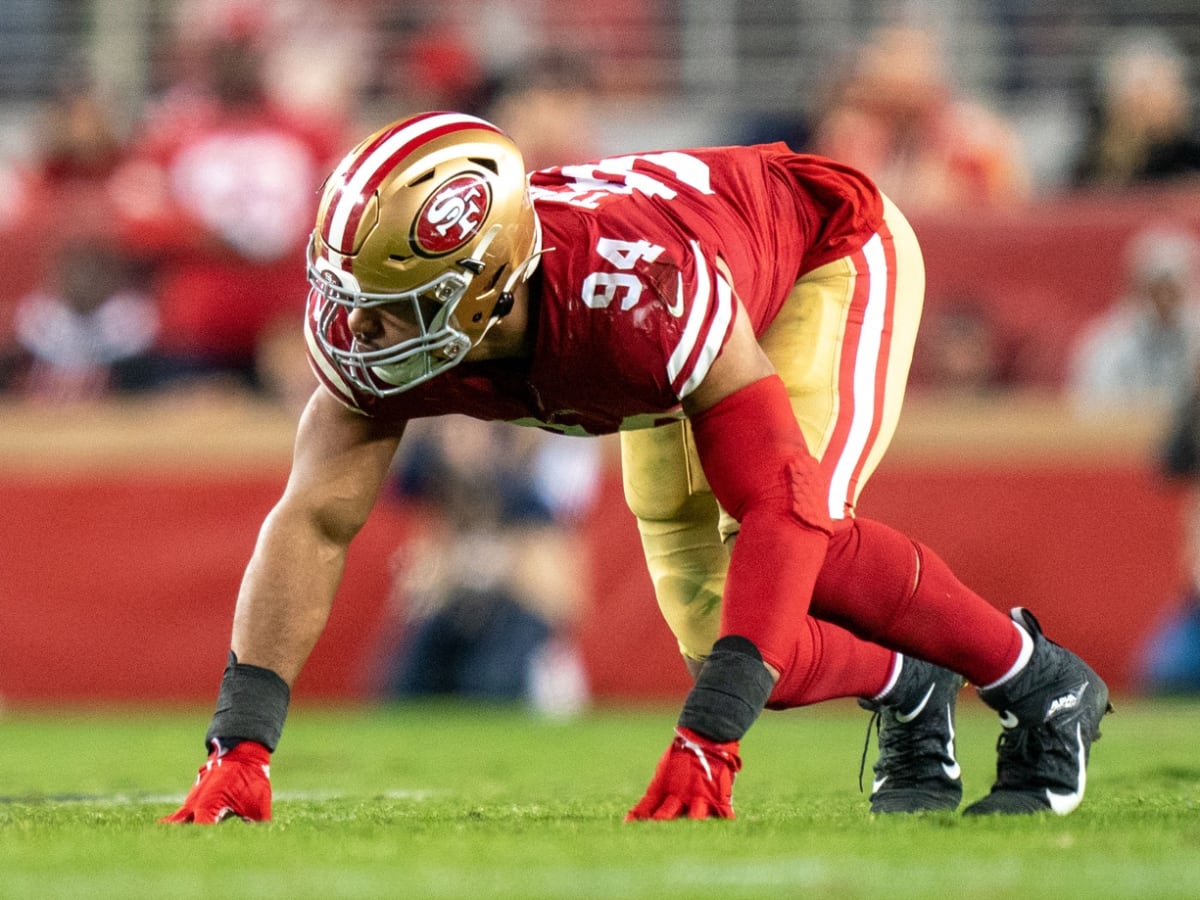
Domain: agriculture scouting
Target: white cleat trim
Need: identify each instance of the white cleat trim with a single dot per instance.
(905, 718)
(954, 770)
(1068, 801)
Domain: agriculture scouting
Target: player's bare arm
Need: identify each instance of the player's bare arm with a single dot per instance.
(741, 362)
(340, 461)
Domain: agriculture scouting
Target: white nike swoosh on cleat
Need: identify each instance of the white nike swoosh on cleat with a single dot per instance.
(905, 718)
(877, 784)
(954, 770)
(1066, 802)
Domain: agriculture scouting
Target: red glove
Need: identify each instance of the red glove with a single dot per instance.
(694, 778)
(231, 783)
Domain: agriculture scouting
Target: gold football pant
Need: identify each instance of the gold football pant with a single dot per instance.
(842, 343)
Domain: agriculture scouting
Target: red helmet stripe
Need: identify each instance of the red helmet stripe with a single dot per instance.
(373, 163)
(354, 160)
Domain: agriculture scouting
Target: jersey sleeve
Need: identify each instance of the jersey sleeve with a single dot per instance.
(704, 305)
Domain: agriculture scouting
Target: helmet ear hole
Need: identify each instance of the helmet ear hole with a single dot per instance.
(490, 164)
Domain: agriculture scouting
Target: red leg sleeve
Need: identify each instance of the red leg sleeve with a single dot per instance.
(839, 665)
(760, 470)
(886, 588)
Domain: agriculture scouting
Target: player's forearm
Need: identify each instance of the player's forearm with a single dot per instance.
(761, 471)
(287, 592)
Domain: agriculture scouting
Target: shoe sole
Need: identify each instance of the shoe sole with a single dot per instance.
(915, 801)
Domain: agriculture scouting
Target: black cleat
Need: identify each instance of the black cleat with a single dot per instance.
(1051, 713)
(916, 770)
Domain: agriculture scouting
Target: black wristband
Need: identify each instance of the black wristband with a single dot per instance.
(251, 706)
(730, 691)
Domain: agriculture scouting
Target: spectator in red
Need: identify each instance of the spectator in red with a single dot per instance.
(215, 202)
(429, 62)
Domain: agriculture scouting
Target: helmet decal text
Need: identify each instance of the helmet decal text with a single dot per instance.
(452, 215)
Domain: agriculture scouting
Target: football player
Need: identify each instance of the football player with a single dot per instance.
(745, 317)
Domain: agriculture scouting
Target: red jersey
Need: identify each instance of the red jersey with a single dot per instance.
(646, 259)
(221, 201)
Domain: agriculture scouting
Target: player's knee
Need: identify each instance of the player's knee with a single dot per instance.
(870, 574)
(657, 477)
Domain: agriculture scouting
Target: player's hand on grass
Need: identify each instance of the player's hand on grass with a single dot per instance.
(231, 783)
(694, 779)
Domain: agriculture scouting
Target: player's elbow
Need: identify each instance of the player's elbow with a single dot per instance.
(328, 518)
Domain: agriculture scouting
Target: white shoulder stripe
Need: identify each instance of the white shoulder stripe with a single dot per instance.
(713, 340)
(696, 315)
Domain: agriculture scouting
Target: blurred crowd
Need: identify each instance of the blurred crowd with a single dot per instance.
(165, 253)
(165, 257)
(159, 251)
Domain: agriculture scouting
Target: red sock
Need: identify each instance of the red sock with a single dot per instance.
(837, 664)
(887, 588)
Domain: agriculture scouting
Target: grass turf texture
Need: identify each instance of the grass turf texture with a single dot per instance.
(442, 801)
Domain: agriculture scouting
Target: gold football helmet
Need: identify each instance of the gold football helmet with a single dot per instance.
(431, 212)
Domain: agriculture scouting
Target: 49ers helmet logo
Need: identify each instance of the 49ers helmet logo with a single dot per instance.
(452, 215)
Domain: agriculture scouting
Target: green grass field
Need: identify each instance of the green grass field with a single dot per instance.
(437, 801)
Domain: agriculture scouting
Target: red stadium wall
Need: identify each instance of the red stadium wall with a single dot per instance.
(117, 587)
(1041, 272)
(118, 579)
